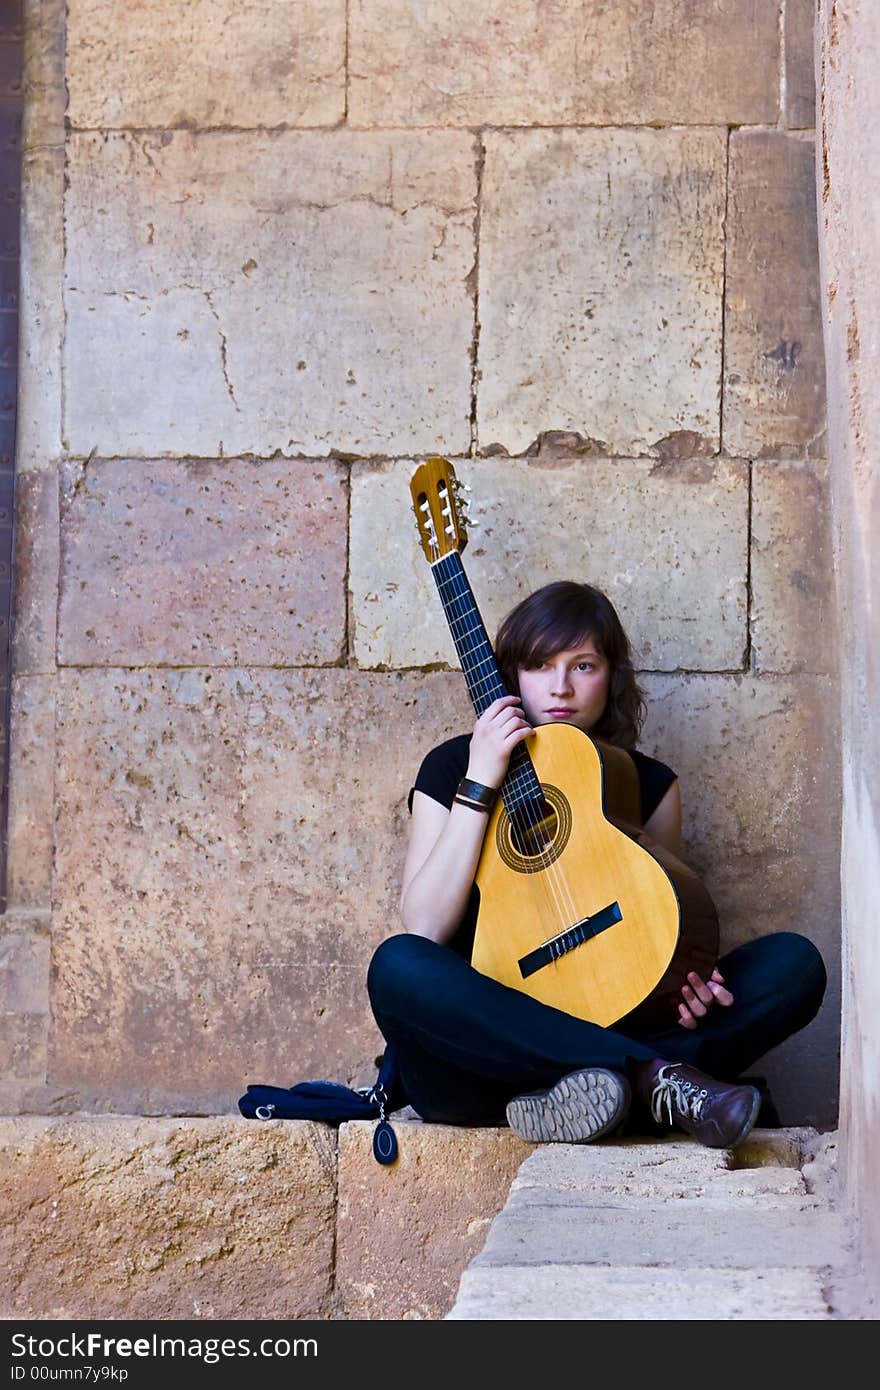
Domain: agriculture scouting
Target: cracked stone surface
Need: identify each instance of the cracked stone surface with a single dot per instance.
(600, 286)
(255, 292)
(511, 62)
(239, 65)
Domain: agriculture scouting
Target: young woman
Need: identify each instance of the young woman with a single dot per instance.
(475, 1052)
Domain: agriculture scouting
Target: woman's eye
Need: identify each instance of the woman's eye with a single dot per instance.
(585, 666)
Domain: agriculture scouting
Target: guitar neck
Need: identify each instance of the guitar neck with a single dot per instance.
(480, 669)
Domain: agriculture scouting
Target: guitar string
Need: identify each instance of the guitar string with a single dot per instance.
(553, 879)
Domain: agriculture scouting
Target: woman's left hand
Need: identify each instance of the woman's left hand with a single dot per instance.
(698, 995)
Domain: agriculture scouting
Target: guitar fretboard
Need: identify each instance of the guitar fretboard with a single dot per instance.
(484, 683)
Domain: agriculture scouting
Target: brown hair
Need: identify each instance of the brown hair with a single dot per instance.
(557, 618)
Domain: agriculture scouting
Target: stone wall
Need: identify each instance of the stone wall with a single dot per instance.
(272, 255)
(848, 54)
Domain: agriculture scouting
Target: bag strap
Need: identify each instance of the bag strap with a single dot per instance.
(388, 1081)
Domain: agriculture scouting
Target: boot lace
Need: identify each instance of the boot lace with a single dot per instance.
(680, 1099)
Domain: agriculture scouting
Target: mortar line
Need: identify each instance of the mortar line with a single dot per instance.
(286, 127)
(347, 653)
(62, 366)
(480, 153)
(748, 654)
(347, 78)
(725, 229)
(783, 74)
(428, 668)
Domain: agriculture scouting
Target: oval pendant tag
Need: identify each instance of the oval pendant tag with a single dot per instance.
(384, 1143)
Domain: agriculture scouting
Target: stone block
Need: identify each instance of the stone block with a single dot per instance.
(260, 64)
(23, 1044)
(794, 614)
(299, 291)
(228, 852)
(24, 965)
(597, 1293)
(774, 363)
(31, 791)
(41, 317)
(406, 1232)
(600, 288)
(800, 76)
(510, 62)
(24, 1000)
(154, 1219)
(562, 1228)
(45, 95)
(203, 563)
(667, 541)
(36, 573)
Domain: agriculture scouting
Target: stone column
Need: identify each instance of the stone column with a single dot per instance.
(848, 157)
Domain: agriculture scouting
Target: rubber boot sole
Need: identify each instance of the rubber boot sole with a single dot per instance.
(580, 1107)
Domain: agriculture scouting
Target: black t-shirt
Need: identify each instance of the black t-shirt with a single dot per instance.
(443, 768)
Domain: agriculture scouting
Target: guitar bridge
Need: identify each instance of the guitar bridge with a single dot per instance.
(559, 946)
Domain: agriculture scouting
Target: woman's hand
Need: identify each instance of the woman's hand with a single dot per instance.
(698, 995)
(496, 733)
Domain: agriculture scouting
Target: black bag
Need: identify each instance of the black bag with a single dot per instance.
(334, 1103)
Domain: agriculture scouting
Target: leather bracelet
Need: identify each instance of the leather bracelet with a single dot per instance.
(475, 795)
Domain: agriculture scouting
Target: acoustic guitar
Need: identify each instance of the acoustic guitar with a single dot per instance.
(577, 906)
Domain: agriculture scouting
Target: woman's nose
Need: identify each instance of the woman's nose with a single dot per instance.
(561, 681)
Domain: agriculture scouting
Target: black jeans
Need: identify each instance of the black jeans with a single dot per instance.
(466, 1044)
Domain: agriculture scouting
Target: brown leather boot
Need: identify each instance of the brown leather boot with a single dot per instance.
(717, 1113)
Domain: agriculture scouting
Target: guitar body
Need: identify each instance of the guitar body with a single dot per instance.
(645, 918)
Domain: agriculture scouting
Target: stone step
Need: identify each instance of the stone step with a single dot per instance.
(626, 1293)
(673, 1167)
(535, 1228)
(662, 1230)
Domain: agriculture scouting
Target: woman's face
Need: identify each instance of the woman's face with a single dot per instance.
(569, 688)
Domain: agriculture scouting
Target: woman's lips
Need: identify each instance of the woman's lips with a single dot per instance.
(560, 713)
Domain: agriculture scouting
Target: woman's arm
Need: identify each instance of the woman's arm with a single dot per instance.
(444, 846)
(441, 861)
(664, 823)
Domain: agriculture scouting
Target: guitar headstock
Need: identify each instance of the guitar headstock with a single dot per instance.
(440, 514)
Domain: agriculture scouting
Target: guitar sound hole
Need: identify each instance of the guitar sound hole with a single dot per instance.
(533, 828)
(531, 837)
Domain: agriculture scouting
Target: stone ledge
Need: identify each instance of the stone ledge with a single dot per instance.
(125, 1217)
(405, 1233)
(120, 1216)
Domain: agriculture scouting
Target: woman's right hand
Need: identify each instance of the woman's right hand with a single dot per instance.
(496, 733)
